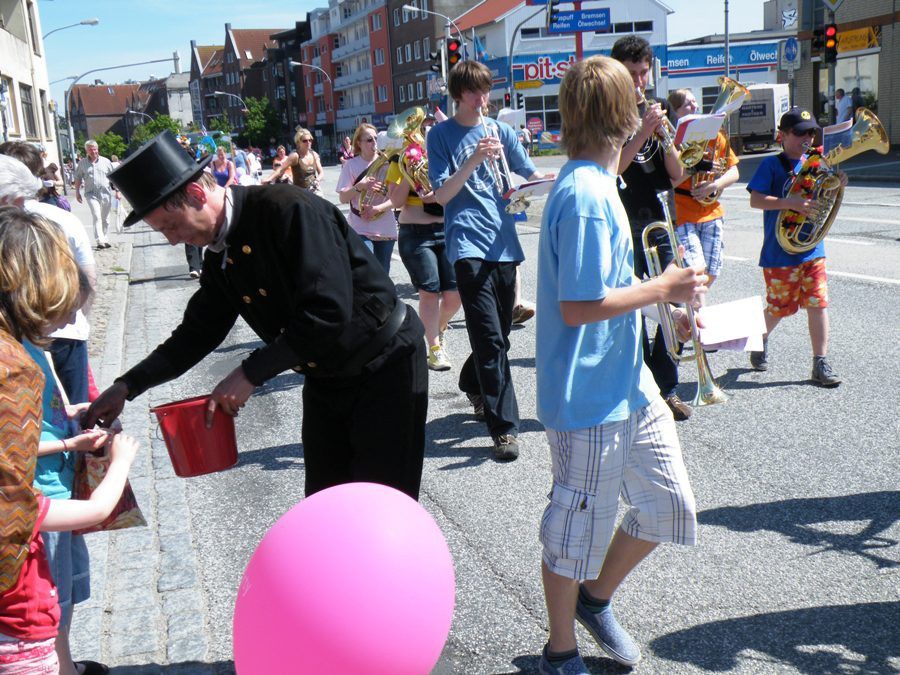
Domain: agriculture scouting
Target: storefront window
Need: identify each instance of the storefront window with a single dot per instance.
(545, 107)
(859, 72)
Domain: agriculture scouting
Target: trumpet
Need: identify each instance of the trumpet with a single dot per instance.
(688, 154)
(499, 169)
(708, 392)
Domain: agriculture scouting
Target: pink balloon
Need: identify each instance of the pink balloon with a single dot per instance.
(354, 579)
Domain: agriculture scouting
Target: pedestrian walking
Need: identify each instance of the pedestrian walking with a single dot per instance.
(93, 172)
(466, 154)
(609, 431)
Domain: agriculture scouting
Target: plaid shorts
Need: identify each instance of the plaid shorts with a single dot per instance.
(702, 244)
(790, 288)
(639, 458)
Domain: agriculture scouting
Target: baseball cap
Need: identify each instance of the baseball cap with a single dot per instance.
(797, 119)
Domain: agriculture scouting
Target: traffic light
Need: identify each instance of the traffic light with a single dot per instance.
(520, 101)
(454, 52)
(818, 40)
(438, 58)
(552, 12)
(507, 99)
(831, 44)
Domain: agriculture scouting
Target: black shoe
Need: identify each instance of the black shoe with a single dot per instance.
(91, 668)
(680, 410)
(477, 404)
(506, 447)
(760, 360)
(822, 374)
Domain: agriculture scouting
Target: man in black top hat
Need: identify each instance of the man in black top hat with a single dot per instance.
(286, 261)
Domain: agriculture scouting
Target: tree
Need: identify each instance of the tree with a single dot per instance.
(262, 121)
(220, 124)
(110, 143)
(144, 132)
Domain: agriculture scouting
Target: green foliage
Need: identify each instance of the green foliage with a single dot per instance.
(110, 143)
(144, 132)
(262, 121)
(220, 124)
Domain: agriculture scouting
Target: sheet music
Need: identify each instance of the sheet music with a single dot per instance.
(698, 128)
(738, 325)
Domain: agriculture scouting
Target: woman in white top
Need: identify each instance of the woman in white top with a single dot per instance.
(375, 222)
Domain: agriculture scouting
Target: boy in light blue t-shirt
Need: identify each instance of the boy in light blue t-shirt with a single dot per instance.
(610, 432)
(482, 243)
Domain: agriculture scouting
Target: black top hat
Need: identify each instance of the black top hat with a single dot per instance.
(153, 173)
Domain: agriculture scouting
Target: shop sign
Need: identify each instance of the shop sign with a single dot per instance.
(703, 60)
(854, 40)
(535, 125)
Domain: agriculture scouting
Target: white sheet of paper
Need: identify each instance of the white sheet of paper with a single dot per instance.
(698, 128)
(737, 325)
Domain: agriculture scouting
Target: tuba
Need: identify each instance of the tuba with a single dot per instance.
(708, 392)
(689, 154)
(817, 182)
(378, 168)
(413, 162)
(732, 96)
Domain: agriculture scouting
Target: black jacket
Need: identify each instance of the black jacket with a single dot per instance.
(301, 279)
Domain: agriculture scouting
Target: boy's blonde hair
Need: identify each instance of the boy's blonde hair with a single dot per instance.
(597, 105)
(469, 76)
(39, 282)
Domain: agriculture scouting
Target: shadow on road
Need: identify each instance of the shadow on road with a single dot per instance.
(860, 638)
(276, 458)
(811, 522)
(529, 664)
(185, 668)
(731, 380)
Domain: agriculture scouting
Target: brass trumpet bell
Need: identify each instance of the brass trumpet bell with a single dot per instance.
(406, 122)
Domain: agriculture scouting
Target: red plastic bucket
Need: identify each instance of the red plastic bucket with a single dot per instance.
(194, 449)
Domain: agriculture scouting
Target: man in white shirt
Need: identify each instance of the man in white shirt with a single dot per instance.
(93, 172)
(844, 105)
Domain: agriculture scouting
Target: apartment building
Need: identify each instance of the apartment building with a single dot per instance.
(26, 112)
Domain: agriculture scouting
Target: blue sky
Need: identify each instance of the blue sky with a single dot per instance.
(131, 31)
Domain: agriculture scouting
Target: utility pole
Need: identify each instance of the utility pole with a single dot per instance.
(451, 104)
(832, 113)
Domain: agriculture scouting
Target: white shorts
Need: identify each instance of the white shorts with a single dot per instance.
(639, 458)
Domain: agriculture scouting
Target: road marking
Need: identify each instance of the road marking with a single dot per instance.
(832, 273)
(882, 221)
(869, 166)
(855, 242)
(864, 277)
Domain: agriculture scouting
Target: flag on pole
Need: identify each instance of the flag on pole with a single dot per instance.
(480, 52)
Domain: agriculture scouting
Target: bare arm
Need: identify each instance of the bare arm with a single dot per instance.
(231, 181)
(73, 514)
(765, 202)
(673, 285)
(282, 167)
(320, 172)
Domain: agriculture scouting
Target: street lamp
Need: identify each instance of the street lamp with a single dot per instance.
(413, 8)
(295, 64)
(173, 58)
(225, 93)
(83, 22)
(138, 112)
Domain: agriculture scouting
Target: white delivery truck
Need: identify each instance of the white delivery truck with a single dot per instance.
(755, 125)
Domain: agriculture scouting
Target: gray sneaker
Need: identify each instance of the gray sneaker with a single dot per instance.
(506, 447)
(609, 634)
(760, 360)
(822, 373)
(574, 666)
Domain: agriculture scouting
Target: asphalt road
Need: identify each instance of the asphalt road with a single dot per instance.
(796, 569)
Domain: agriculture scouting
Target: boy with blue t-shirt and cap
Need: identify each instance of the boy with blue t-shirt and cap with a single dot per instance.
(793, 280)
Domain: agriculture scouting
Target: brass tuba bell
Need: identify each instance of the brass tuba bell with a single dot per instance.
(817, 182)
(413, 162)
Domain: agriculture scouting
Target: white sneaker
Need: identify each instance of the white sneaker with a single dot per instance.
(437, 359)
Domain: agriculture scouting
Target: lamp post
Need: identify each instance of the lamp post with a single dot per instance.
(83, 22)
(295, 64)
(173, 58)
(55, 110)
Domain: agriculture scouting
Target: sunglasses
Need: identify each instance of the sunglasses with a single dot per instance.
(808, 132)
(306, 140)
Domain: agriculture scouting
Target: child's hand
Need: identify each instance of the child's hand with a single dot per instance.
(74, 412)
(123, 449)
(88, 441)
(651, 120)
(488, 148)
(798, 204)
(683, 284)
(844, 178)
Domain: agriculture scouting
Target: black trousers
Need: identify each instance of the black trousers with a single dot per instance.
(369, 428)
(488, 293)
(664, 369)
(194, 256)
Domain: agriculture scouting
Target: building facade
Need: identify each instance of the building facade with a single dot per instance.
(319, 72)
(285, 82)
(205, 78)
(26, 111)
(244, 49)
(868, 58)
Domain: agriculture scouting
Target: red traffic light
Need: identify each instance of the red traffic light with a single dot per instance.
(831, 31)
(454, 51)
